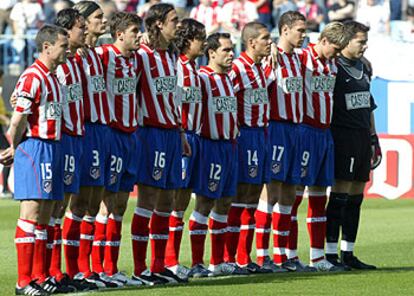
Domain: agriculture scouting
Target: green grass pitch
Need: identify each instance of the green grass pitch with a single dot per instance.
(386, 238)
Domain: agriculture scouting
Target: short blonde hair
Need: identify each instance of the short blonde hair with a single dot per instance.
(336, 34)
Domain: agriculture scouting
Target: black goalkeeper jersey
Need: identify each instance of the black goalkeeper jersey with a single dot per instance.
(353, 102)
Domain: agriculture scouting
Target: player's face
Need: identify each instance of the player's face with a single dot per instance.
(77, 33)
(263, 42)
(224, 55)
(58, 51)
(169, 27)
(132, 37)
(196, 48)
(96, 23)
(357, 46)
(296, 34)
(330, 50)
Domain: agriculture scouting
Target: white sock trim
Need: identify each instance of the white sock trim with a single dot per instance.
(162, 214)
(199, 218)
(101, 219)
(264, 207)
(143, 212)
(26, 226)
(331, 248)
(117, 218)
(218, 217)
(281, 209)
(179, 214)
(89, 219)
(347, 246)
(73, 217)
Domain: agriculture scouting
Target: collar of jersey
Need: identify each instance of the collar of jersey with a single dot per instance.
(247, 58)
(42, 67)
(208, 70)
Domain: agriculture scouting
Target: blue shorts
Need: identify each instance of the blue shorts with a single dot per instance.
(315, 156)
(122, 163)
(38, 170)
(254, 167)
(159, 157)
(215, 173)
(95, 155)
(72, 150)
(187, 163)
(283, 142)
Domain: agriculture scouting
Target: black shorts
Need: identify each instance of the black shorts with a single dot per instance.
(352, 154)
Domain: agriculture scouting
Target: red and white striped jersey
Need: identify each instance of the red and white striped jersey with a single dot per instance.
(219, 116)
(319, 79)
(189, 92)
(207, 15)
(69, 78)
(120, 75)
(250, 87)
(158, 105)
(95, 100)
(39, 96)
(285, 92)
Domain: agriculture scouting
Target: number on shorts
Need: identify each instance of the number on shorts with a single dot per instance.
(252, 157)
(46, 169)
(305, 158)
(116, 164)
(277, 153)
(69, 163)
(351, 165)
(159, 161)
(95, 162)
(215, 171)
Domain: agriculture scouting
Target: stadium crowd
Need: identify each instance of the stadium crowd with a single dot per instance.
(90, 122)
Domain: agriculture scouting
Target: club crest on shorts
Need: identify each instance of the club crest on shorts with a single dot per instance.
(253, 171)
(68, 178)
(113, 178)
(157, 174)
(95, 172)
(303, 172)
(213, 185)
(276, 167)
(47, 186)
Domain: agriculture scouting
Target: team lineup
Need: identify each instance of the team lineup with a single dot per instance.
(90, 122)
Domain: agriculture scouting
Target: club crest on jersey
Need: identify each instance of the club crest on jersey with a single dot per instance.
(98, 84)
(253, 169)
(276, 167)
(113, 178)
(165, 84)
(224, 104)
(124, 86)
(213, 185)
(322, 83)
(95, 172)
(292, 85)
(53, 110)
(257, 96)
(68, 178)
(358, 100)
(157, 173)
(73, 93)
(303, 172)
(191, 95)
(47, 186)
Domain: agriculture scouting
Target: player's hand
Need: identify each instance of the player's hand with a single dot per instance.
(273, 55)
(145, 39)
(7, 156)
(186, 148)
(13, 100)
(376, 152)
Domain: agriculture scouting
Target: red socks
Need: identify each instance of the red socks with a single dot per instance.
(71, 235)
(292, 247)
(281, 227)
(218, 228)
(263, 218)
(159, 230)
(172, 252)
(246, 237)
(25, 242)
(55, 268)
(49, 246)
(98, 245)
(87, 229)
(140, 235)
(113, 243)
(39, 269)
(198, 231)
(316, 222)
(233, 231)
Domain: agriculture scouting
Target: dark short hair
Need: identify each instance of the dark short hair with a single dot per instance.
(48, 33)
(252, 29)
(189, 30)
(66, 18)
(213, 42)
(353, 27)
(120, 21)
(86, 8)
(289, 18)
